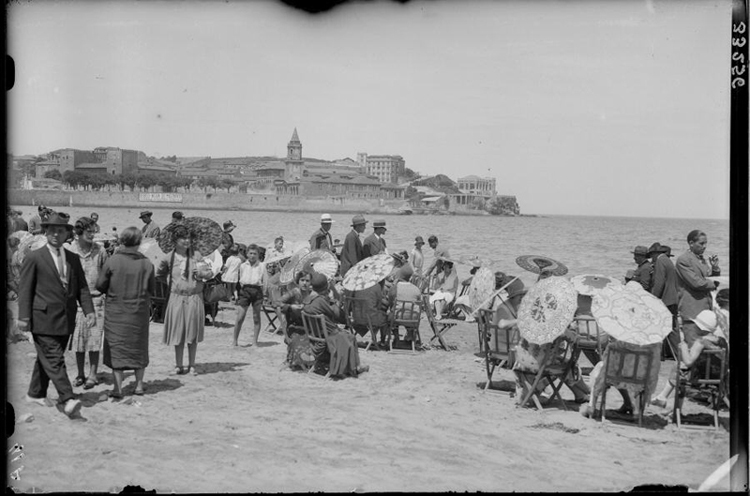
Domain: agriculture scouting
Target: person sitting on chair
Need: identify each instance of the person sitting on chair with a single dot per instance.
(343, 356)
(291, 303)
(463, 302)
(403, 290)
(447, 284)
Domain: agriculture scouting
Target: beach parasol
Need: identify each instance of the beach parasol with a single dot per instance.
(289, 250)
(547, 310)
(150, 248)
(29, 244)
(368, 272)
(537, 263)
(590, 284)
(205, 235)
(20, 235)
(481, 287)
(631, 314)
(287, 272)
(320, 261)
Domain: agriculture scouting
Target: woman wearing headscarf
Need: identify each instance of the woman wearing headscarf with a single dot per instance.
(127, 281)
(185, 314)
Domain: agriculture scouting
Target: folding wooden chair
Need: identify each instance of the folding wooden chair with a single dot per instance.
(590, 341)
(422, 282)
(708, 373)
(159, 301)
(499, 344)
(484, 317)
(439, 327)
(407, 314)
(451, 311)
(627, 366)
(315, 328)
(269, 309)
(558, 362)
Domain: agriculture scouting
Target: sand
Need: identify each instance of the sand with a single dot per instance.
(247, 423)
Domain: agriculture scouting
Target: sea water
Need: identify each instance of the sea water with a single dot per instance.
(585, 244)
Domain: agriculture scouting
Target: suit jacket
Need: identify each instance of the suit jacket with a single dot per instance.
(695, 289)
(664, 283)
(373, 245)
(643, 275)
(352, 252)
(42, 298)
(321, 240)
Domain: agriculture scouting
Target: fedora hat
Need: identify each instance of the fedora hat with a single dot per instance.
(640, 250)
(146, 213)
(656, 248)
(58, 219)
(667, 250)
(515, 288)
(326, 218)
(418, 240)
(378, 223)
(358, 219)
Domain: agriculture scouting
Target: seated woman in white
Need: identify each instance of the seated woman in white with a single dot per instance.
(445, 292)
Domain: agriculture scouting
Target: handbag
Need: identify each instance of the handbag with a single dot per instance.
(216, 292)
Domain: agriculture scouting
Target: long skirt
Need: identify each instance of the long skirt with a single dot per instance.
(184, 319)
(87, 338)
(126, 330)
(340, 352)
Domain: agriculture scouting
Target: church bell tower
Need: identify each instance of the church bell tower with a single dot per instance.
(293, 158)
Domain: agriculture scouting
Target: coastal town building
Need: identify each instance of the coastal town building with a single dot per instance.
(485, 186)
(387, 168)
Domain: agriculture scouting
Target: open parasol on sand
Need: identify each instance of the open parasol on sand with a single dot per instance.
(547, 310)
(482, 286)
(320, 261)
(205, 235)
(289, 250)
(29, 244)
(287, 272)
(368, 272)
(590, 284)
(631, 314)
(537, 263)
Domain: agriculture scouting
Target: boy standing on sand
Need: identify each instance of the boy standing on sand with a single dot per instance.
(253, 281)
(417, 257)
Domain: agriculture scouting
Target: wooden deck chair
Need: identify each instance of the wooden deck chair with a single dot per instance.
(630, 367)
(451, 311)
(557, 364)
(422, 282)
(591, 341)
(439, 327)
(407, 314)
(484, 317)
(709, 373)
(356, 314)
(159, 301)
(315, 328)
(499, 345)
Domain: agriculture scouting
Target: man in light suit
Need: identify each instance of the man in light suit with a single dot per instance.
(352, 252)
(52, 284)
(374, 243)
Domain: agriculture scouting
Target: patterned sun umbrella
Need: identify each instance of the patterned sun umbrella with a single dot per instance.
(590, 284)
(631, 314)
(368, 272)
(29, 244)
(20, 235)
(547, 310)
(290, 248)
(482, 286)
(320, 261)
(287, 272)
(537, 263)
(150, 248)
(205, 235)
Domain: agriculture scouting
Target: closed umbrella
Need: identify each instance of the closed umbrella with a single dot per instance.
(547, 310)
(320, 261)
(368, 272)
(537, 263)
(590, 284)
(631, 314)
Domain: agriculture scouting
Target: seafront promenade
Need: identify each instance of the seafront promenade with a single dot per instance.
(212, 200)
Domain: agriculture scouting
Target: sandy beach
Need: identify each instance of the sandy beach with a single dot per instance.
(420, 422)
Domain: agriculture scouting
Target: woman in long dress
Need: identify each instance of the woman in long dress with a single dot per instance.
(127, 280)
(185, 314)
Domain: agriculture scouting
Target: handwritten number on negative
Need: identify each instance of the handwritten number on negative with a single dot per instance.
(739, 28)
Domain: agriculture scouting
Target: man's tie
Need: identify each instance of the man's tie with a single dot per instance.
(61, 268)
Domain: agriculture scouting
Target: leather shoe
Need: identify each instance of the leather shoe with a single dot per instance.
(38, 401)
(71, 406)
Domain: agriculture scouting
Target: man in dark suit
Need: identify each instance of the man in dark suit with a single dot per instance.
(352, 252)
(52, 284)
(664, 286)
(321, 238)
(374, 243)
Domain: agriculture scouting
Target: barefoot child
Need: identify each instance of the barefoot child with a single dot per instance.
(253, 277)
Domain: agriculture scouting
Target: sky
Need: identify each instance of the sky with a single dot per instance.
(577, 108)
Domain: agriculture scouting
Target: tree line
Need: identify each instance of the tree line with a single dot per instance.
(97, 181)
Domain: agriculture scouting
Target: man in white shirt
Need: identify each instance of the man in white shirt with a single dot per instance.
(253, 280)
